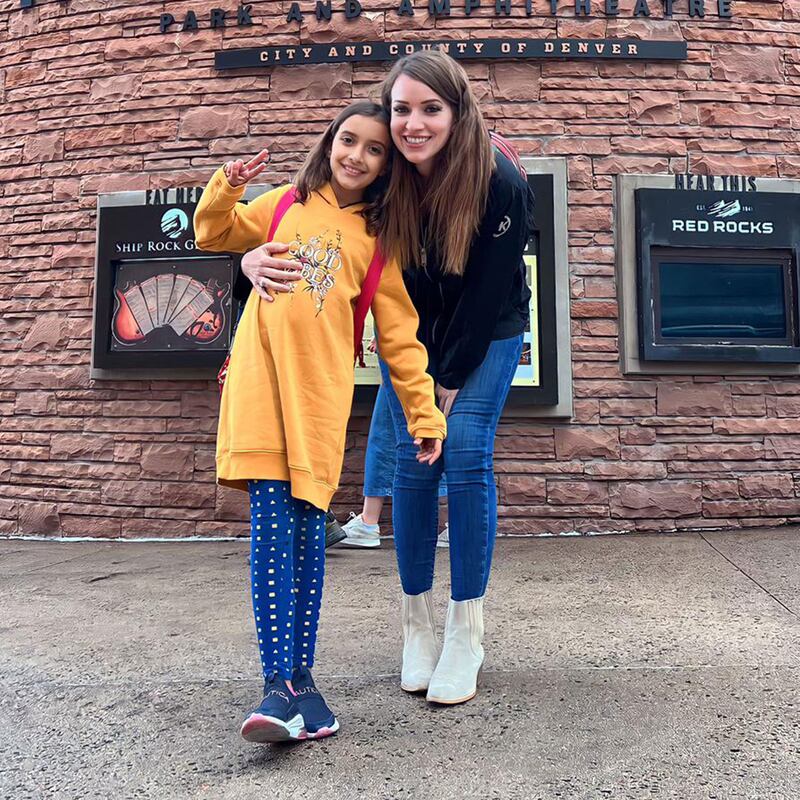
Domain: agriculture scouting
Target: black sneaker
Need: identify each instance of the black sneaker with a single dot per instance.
(333, 530)
(319, 719)
(278, 718)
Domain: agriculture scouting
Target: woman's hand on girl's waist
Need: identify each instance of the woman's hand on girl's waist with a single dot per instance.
(269, 274)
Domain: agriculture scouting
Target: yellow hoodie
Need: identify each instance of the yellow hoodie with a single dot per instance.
(289, 389)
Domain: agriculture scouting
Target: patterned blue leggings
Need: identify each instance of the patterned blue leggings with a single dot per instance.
(287, 566)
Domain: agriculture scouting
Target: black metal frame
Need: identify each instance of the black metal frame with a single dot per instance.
(543, 243)
(659, 255)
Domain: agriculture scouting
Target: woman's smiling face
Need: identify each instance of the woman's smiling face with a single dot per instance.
(421, 122)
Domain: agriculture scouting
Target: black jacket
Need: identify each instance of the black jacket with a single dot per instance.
(460, 316)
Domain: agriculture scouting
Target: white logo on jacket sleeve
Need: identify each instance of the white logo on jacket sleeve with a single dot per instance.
(503, 227)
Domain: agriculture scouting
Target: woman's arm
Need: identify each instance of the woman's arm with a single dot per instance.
(406, 358)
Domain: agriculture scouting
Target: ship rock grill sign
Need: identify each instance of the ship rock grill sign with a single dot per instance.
(160, 302)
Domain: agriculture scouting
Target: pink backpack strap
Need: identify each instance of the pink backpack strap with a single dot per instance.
(508, 150)
(368, 289)
(284, 204)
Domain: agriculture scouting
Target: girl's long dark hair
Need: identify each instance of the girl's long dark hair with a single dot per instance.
(316, 169)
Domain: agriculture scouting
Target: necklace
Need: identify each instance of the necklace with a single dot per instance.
(423, 246)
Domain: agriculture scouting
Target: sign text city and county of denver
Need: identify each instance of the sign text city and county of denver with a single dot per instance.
(293, 55)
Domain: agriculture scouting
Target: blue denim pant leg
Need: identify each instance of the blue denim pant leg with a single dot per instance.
(467, 457)
(381, 458)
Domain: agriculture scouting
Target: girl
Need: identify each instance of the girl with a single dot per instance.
(287, 396)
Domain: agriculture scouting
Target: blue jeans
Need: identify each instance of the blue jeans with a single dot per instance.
(381, 459)
(467, 456)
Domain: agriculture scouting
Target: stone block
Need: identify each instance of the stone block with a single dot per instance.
(132, 493)
(521, 489)
(213, 122)
(720, 490)
(656, 500)
(750, 406)
(576, 492)
(771, 485)
(655, 108)
(367, 27)
(587, 442)
(636, 435)
(170, 461)
(35, 404)
(94, 526)
(188, 495)
(627, 408)
(200, 404)
(115, 88)
(76, 446)
(782, 447)
(38, 519)
(691, 399)
(311, 82)
(231, 504)
(42, 147)
(745, 64)
(158, 528)
(47, 332)
(516, 81)
(725, 452)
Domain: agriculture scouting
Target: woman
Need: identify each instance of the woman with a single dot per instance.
(456, 216)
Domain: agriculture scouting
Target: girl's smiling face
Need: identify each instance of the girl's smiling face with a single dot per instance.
(421, 122)
(358, 156)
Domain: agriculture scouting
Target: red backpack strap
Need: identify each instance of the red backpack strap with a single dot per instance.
(287, 199)
(368, 289)
(508, 150)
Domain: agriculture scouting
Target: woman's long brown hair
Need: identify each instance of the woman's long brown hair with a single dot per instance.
(316, 169)
(454, 198)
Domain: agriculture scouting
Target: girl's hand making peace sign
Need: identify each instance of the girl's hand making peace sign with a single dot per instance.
(238, 173)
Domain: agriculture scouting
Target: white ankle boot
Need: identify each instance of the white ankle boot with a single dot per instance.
(455, 679)
(420, 646)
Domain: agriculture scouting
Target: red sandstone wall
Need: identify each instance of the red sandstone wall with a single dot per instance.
(95, 100)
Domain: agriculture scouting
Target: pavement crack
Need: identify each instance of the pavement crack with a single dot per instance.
(750, 577)
(57, 563)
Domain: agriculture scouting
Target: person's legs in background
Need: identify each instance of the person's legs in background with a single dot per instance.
(380, 462)
(364, 530)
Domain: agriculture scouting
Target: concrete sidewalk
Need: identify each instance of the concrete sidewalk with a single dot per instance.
(617, 667)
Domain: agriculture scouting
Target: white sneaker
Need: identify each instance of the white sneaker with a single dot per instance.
(359, 534)
(444, 537)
